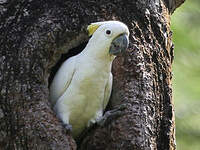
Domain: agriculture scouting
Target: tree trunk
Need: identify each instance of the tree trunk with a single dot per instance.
(34, 34)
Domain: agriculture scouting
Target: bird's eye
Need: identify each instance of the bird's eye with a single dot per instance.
(108, 32)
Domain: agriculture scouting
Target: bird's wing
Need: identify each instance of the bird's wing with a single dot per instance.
(62, 80)
(108, 90)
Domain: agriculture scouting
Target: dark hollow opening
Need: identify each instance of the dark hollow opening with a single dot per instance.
(64, 57)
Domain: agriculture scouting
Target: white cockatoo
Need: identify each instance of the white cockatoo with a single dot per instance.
(82, 86)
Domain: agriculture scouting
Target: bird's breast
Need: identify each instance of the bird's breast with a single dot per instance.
(85, 96)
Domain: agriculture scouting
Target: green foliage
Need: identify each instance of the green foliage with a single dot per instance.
(186, 79)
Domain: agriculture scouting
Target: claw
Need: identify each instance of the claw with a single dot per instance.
(123, 106)
(112, 114)
(68, 127)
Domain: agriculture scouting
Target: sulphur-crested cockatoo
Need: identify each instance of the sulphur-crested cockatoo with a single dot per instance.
(82, 86)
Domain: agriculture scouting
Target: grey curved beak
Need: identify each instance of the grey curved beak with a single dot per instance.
(119, 44)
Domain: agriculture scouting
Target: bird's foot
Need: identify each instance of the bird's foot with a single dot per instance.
(68, 127)
(104, 120)
(111, 115)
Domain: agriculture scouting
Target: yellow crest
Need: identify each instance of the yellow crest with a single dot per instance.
(92, 28)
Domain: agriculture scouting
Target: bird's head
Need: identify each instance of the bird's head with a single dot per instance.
(110, 37)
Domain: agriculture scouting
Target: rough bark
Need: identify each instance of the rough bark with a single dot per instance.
(34, 34)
